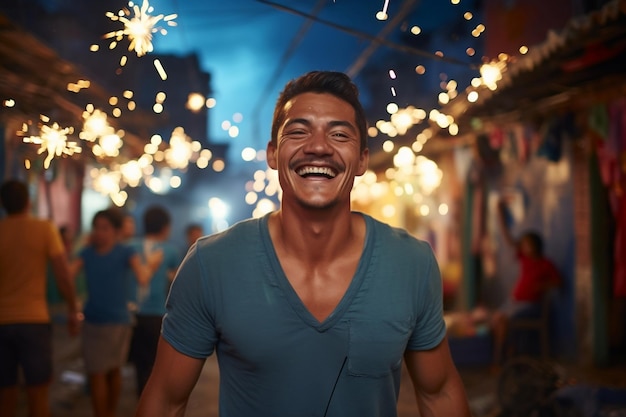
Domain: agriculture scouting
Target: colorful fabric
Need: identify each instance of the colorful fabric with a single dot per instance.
(616, 146)
(619, 275)
(610, 124)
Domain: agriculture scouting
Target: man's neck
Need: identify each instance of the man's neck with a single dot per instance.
(315, 235)
(105, 248)
(156, 237)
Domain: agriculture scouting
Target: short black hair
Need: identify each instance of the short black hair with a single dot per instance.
(535, 240)
(331, 82)
(113, 216)
(155, 219)
(14, 196)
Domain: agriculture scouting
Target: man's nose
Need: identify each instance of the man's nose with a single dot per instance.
(318, 143)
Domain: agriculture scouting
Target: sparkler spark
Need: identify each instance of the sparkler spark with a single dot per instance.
(180, 149)
(382, 15)
(139, 26)
(95, 126)
(108, 183)
(53, 140)
(160, 69)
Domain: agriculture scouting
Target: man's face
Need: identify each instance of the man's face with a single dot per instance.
(103, 233)
(527, 247)
(317, 151)
(128, 228)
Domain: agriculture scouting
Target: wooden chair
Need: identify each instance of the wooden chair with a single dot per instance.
(539, 324)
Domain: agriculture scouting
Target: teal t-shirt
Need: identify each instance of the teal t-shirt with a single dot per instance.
(150, 300)
(231, 295)
(107, 276)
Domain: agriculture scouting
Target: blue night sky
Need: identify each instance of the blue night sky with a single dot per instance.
(241, 44)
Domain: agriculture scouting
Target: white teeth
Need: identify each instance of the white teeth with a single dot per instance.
(317, 170)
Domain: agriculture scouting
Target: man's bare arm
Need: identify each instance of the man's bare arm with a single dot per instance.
(173, 377)
(438, 386)
(504, 227)
(145, 271)
(65, 284)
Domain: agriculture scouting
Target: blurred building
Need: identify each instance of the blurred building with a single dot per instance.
(549, 136)
(61, 67)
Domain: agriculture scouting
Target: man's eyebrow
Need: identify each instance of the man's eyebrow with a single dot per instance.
(296, 121)
(342, 123)
(332, 123)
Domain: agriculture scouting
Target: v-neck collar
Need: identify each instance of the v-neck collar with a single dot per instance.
(280, 278)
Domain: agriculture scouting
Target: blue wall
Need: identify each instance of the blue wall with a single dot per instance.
(543, 202)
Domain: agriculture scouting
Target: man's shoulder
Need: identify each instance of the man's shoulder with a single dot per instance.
(121, 247)
(170, 250)
(169, 246)
(37, 227)
(240, 233)
(27, 220)
(135, 243)
(396, 236)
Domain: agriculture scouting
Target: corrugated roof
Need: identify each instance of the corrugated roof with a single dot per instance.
(587, 56)
(36, 78)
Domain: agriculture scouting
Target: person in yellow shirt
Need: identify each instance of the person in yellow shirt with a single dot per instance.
(27, 245)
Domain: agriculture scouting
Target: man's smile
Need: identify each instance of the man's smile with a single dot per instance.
(316, 171)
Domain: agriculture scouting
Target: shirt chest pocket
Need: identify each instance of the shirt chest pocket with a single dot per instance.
(377, 347)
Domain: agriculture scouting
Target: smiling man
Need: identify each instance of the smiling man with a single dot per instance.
(312, 308)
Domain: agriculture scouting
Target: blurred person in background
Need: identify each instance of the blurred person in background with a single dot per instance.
(537, 276)
(193, 232)
(53, 296)
(67, 236)
(129, 228)
(27, 245)
(107, 329)
(150, 299)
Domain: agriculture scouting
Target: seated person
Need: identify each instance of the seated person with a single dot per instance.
(537, 275)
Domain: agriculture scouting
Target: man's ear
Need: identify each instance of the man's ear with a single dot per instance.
(364, 161)
(270, 154)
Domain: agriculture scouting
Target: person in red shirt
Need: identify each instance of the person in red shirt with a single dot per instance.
(537, 273)
(537, 276)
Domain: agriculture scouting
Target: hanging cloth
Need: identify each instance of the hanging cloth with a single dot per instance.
(615, 148)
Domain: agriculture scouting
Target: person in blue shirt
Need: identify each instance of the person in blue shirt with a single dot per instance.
(106, 328)
(313, 308)
(150, 300)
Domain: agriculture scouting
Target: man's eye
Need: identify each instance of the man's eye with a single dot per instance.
(340, 135)
(297, 132)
